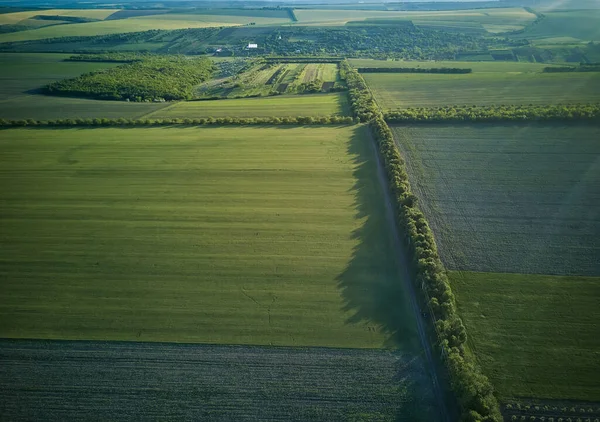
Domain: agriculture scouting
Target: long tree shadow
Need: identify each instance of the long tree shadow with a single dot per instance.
(371, 285)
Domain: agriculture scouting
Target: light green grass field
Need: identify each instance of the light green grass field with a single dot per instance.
(535, 336)
(15, 18)
(401, 90)
(21, 74)
(245, 235)
(108, 27)
(278, 106)
(221, 18)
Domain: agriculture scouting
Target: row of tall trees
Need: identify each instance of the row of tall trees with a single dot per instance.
(502, 113)
(473, 390)
(150, 79)
(218, 121)
(455, 70)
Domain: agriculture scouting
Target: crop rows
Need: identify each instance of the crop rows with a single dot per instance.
(57, 381)
(491, 215)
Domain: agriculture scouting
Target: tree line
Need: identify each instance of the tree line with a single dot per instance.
(473, 390)
(151, 79)
(414, 70)
(582, 68)
(202, 121)
(502, 113)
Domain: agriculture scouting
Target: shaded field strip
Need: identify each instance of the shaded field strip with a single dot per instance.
(402, 257)
(70, 380)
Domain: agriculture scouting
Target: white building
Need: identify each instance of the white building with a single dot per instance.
(252, 45)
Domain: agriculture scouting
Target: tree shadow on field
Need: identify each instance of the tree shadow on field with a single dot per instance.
(371, 285)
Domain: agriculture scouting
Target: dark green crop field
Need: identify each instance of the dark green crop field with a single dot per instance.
(402, 90)
(217, 235)
(509, 198)
(125, 381)
(535, 336)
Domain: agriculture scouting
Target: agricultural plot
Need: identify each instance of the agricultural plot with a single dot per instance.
(203, 382)
(22, 74)
(105, 27)
(574, 26)
(266, 79)
(228, 17)
(509, 198)
(277, 106)
(477, 66)
(326, 72)
(244, 235)
(535, 336)
(402, 90)
(454, 19)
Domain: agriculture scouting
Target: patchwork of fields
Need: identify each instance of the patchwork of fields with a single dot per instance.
(131, 22)
(402, 90)
(534, 335)
(509, 198)
(105, 381)
(223, 235)
(267, 79)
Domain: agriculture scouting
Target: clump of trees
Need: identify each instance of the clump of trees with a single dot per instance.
(154, 78)
(501, 113)
(217, 121)
(473, 390)
(455, 70)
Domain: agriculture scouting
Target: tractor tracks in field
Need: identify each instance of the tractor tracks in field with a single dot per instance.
(409, 285)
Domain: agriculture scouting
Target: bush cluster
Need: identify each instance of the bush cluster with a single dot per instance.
(151, 79)
(473, 390)
(220, 121)
(413, 70)
(502, 113)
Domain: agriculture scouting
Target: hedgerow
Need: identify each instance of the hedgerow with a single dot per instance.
(473, 390)
(499, 113)
(218, 121)
(414, 70)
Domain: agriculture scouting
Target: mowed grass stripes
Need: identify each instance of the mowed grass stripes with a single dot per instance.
(215, 235)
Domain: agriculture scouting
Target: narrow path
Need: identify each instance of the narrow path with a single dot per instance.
(405, 275)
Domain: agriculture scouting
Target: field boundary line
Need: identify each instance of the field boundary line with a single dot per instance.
(405, 274)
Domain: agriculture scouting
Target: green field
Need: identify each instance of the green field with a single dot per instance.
(509, 198)
(402, 90)
(110, 27)
(244, 235)
(22, 74)
(477, 66)
(278, 106)
(467, 19)
(535, 336)
(565, 26)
